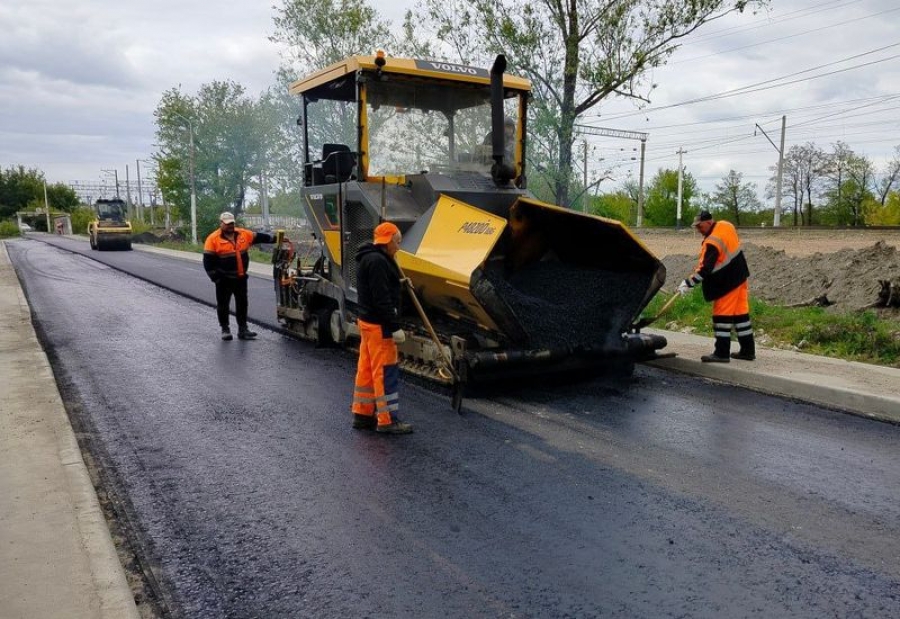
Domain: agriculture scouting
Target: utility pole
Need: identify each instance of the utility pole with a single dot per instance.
(776, 220)
(47, 207)
(584, 199)
(640, 213)
(140, 207)
(264, 187)
(128, 192)
(680, 152)
(628, 135)
(193, 181)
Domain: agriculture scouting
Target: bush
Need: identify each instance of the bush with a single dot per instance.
(8, 229)
(81, 217)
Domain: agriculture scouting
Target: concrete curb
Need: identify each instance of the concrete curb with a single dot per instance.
(59, 557)
(871, 391)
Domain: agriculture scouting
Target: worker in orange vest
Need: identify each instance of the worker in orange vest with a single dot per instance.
(378, 279)
(225, 259)
(722, 270)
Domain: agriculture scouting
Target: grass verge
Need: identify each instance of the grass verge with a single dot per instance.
(868, 336)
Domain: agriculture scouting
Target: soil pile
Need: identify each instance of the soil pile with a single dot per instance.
(844, 280)
(151, 238)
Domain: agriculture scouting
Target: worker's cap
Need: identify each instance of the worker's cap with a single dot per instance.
(703, 215)
(384, 232)
(226, 218)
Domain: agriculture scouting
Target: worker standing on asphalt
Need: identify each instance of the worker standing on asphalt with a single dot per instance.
(226, 258)
(378, 279)
(723, 272)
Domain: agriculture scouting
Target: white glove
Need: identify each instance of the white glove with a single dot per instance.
(399, 336)
(683, 288)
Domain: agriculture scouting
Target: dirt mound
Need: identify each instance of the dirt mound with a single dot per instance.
(151, 238)
(844, 280)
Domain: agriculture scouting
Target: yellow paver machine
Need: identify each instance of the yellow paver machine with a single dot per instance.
(501, 284)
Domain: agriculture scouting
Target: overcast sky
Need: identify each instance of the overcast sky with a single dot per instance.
(80, 82)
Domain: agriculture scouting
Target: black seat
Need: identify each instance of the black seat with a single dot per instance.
(338, 163)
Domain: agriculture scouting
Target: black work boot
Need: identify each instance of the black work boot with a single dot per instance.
(748, 348)
(246, 334)
(714, 358)
(720, 354)
(395, 427)
(226, 334)
(363, 422)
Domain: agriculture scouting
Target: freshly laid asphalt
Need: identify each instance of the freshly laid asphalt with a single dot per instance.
(59, 559)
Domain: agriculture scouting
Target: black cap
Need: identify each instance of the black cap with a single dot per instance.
(703, 215)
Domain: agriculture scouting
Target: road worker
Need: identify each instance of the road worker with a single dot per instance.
(226, 258)
(378, 284)
(722, 270)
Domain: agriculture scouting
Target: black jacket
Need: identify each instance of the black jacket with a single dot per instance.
(378, 288)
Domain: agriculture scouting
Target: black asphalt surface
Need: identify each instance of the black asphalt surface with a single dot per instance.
(251, 497)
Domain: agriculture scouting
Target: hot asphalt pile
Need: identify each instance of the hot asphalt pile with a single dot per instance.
(560, 305)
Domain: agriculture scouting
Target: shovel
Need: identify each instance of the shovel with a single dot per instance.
(644, 322)
(457, 393)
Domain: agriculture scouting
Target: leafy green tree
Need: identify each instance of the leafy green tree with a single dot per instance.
(887, 214)
(23, 189)
(617, 205)
(575, 53)
(736, 196)
(230, 136)
(847, 188)
(317, 33)
(661, 206)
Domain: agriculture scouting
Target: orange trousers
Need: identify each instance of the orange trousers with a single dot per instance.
(377, 375)
(735, 303)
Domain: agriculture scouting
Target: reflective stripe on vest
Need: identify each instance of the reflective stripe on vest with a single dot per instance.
(721, 242)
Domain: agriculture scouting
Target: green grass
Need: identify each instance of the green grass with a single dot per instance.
(856, 336)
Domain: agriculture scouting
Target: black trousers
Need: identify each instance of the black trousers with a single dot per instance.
(225, 289)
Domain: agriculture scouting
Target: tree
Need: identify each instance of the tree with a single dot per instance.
(317, 33)
(847, 186)
(735, 196)
(804, 167)
(575, 53)
(230, 144)
(23, 189)
(661, 206)
(887, 214)
(889, 177)
(616, 205)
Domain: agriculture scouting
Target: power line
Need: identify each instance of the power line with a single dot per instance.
(784, 38)
(768, 84)
(821, 7)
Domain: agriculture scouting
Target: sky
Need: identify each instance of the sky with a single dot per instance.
(80, 82)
